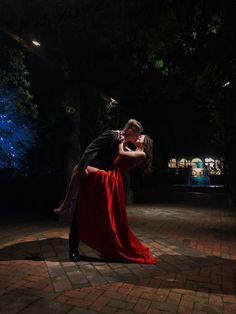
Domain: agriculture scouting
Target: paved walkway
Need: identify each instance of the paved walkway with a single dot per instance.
(193, 236)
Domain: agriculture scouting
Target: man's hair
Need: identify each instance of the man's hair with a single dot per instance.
(133, 123)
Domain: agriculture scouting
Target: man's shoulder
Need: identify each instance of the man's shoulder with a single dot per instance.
(110, 133)
(106, 137)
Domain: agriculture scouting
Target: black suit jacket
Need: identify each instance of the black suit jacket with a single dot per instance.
(101, 152)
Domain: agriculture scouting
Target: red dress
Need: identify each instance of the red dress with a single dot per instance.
(102, 217)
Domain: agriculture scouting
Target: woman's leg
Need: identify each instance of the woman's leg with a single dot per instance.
(72, 189)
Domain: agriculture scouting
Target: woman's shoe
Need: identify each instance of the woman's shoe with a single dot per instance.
(60, 209)
(63, 207)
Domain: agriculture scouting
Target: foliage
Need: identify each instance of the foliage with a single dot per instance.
(13, 73)
(213, 96)
(150, 55)
(16, 131)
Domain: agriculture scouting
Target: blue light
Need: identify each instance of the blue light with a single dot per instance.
(17, 133)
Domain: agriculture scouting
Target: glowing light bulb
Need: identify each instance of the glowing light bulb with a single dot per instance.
(36, 43)
(226, 84)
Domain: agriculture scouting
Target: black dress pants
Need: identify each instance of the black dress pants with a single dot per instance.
(74, 233)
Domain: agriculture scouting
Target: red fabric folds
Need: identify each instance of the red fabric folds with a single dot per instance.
(102, 218)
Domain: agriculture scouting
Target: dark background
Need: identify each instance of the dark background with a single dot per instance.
(165, 62)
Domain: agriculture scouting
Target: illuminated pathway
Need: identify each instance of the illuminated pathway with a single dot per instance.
(193, 235)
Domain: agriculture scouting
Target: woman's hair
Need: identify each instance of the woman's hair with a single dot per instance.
(146, 167)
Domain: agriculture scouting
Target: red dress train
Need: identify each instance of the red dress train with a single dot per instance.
(102, 217)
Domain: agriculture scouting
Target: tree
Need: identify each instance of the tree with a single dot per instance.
(17, 110)
(150, 55)
(14, 74)
(16, 131)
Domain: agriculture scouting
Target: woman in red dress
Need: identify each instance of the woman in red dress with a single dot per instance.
(101, 209)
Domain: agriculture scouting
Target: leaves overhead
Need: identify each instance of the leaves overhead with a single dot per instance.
(150, 54)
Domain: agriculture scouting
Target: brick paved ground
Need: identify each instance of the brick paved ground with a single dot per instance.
(193, 236)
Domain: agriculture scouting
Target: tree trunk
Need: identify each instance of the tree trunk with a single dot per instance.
(73, 155)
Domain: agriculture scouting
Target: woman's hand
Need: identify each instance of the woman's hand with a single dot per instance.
(131, 154)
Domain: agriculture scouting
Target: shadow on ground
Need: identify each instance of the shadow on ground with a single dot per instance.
(197, 273)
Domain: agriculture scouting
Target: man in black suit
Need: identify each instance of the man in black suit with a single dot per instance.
(100, 153)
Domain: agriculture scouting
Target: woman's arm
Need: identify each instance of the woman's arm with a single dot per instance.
(131, 154)
(128, 149)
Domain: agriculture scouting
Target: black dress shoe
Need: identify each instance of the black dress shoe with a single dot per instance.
(74, 256)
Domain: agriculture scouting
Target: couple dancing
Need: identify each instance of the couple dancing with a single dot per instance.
(100, 218)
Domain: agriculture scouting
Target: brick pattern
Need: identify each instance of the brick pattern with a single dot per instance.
(196, 272)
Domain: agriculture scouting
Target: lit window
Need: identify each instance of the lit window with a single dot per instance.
(172, 163)
(182, 163)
